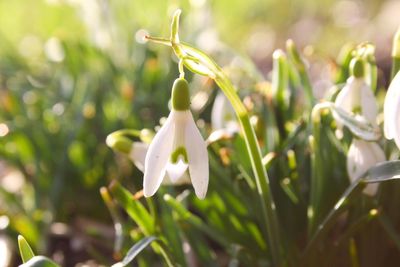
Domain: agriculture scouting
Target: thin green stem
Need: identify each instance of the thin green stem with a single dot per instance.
(271, 226)
(301, 67)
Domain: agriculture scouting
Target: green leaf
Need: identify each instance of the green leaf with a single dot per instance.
(133, 207)
(134, 251)
(24, 249)
(185, 215)
(384, 171)
(40, 261)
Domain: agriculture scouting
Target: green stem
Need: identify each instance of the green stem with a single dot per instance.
(270, 223)
(301, 67)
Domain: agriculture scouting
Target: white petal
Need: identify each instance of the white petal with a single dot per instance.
(198, 158)
(346, 97)
(158, 156)
(396, 122)
(368, 103)
(138, 154)
(175, 171)
(371, 189)
(343, 100)
(361, 156)
(184, 179)
(392, 100)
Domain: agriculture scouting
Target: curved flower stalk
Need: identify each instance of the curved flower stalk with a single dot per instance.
(391, 111)
(361, 156)
(177, 148)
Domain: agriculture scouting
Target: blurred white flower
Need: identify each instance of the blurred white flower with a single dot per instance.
(357, 97)
(361, 156)
(54, 50)
(391, 111)
(177, 148)
(222, 114)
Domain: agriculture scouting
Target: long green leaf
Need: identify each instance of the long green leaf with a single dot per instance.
(384, 171)
(40, 261)
(24, 249)
(134, 251)
(133, 207)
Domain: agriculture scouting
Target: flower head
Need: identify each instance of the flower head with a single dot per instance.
(391, 111)
(356, 96)
(178, 148)
(361, 156)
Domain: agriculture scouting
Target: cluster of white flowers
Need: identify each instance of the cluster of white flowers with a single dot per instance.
(357, 98)
(178, 152)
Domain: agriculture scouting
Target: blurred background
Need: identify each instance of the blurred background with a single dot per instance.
(71, 72)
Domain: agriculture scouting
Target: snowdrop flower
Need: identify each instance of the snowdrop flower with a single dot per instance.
(361, 156)
(177, 148)
(356, 96)
(391, 111)
(136, 152)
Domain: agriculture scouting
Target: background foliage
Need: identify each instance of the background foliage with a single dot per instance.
(71, 72)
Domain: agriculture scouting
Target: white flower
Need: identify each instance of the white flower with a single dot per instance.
(391, 111)
(177, 148)
(361, 156)
(357, 97)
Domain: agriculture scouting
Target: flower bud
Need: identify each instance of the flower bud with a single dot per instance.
(180, 95)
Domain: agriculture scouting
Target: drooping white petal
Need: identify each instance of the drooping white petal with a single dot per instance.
(158, 156)
(345, 97)
(138, 154)
(198, 158)
(357, 95)
(176, 170)
(369, 106)
(392, 102)
(361, 156)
